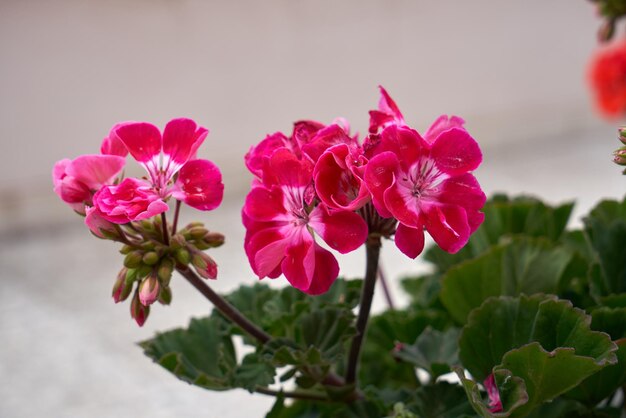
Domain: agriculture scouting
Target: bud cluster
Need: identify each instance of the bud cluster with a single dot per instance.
(612, 11)
(149, 262)
(619, 155)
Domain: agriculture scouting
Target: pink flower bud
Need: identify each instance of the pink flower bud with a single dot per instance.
(495, 404)
(149, 290)
(138, 311)
(205, 265)
(121, 289)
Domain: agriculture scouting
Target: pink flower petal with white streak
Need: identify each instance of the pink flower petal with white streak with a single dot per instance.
(343, 231)
(263, 204)
(326, 271)
(299, 263)
(409, 240)
(143, 141)
(95, 170)
(181, 140)
(455, 152)
(199, 185)
(442, 124)
(448, 226)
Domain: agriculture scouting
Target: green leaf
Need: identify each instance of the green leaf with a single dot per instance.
(512, 391)
(504, 324)
(202, 355)
(606, 228)
(505, 217)
(523, 265)
(548, 374)
(441, 400)
(254, 371)
(383, 333)
(604, 383)
(433, 351)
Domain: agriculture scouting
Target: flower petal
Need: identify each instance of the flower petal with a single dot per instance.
(199, 185)
(336, 183)
(256, 156)
(410, 240)
(448, 226)
(387, 114)
(441, 124)
(406, 143)
(285, 169)
(455, 152)
(324, 139)
(326, 271)
(143, 141)
(379, 175)
(264, 204)
(299, 263)
(112, 144)
(96, 222)
(181, 139)
(343, 231)
(266, 250)
(465, 192)
(94, 171)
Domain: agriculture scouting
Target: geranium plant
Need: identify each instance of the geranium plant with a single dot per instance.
(518, 317)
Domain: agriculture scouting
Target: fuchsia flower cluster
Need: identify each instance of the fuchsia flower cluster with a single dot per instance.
(94, 186)
(321, 182)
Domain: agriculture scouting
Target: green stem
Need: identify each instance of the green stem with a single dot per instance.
(166, 236)
(244, 323)
(372, 251)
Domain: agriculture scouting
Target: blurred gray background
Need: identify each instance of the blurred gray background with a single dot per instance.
(69, 70)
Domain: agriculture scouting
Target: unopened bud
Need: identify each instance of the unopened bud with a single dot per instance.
(126, 249)
(148, 246)
(198, 232)
(149, 290)
(143, 271)
(165, 270)
(177, 241)
(619, 156)
(192, 225)
(165, 295)
(607, 30)
(150, 258)
(205, 265)
(111, 234)
(214, 239)
(133, 260)
(182, 256)
(138, 311)
(622, 135)
(121, 289)
(147, 225)
(131, 276)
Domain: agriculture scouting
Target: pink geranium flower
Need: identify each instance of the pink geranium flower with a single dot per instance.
(75, 181)
(427, 185)
(173, 169)
(282, 219)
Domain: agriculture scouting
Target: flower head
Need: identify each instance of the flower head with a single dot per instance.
(607, 77)
(282, 218)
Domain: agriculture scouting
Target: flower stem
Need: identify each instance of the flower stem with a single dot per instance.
(166, 236)
(176, 212)
(223, 306)
(296, 394)
(244, 323)
(372, 251)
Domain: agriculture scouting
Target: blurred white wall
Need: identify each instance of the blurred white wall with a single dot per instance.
(70, 69)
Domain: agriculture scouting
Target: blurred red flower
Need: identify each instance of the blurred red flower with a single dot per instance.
(607, 77)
